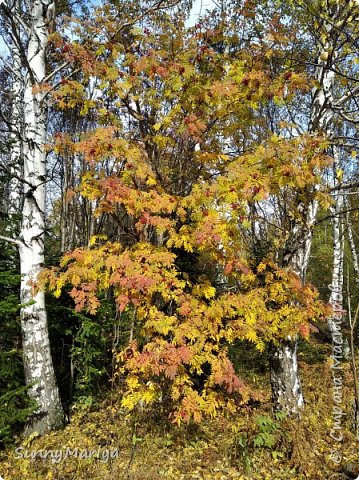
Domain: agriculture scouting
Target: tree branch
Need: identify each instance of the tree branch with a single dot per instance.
(10, 240)
(333, 215)
(54, 72)
(347, 96)
(345, 186)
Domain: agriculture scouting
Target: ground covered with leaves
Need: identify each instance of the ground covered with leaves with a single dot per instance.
(254, 445)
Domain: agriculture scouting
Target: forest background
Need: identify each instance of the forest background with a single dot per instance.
(179, 231)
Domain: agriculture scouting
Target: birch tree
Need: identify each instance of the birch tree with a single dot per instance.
(28, 26)
(331, 23)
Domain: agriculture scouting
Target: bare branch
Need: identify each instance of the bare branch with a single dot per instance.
(57, 70)
(343, 212)
(347, 96)
(10, 240)
(345, 186)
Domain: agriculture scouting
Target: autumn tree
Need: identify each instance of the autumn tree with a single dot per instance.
(169, 107)
(310, 45)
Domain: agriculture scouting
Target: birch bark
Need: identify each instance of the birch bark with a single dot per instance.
(15, 186)
(352, 243)
(36, 346)
(39, 371)
(285, 379)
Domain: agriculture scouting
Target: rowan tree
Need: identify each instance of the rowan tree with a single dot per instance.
(169, 107)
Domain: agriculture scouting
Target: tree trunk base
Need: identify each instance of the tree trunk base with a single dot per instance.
(287, 393)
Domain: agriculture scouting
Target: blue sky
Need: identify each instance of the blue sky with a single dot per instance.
(199, 7)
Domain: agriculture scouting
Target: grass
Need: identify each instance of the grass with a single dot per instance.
(254, 445)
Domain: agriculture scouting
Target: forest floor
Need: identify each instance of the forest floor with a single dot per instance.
(253, 446)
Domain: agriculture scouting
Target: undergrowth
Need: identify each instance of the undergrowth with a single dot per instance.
(254, 445)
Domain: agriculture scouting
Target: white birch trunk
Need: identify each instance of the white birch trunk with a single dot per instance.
(13, 163)
(285, 379)
(15, 185)
(352, 244)
(353, 322)
(337, 282)
(38, 365)
(336, 295)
